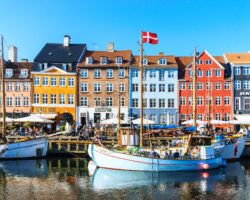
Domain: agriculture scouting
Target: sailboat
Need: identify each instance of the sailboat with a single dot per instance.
(114, 159)
(30, 148)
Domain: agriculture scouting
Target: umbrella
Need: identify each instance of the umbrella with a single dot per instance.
(34, 119)
(219, 122)
(145, 121)
(113, 121)
(8, 120)
(191, 121)
(233, 122)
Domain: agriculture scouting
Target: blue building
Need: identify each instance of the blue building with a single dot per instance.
(160, 86)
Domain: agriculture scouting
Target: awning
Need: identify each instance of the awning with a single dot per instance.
(46, 116)
(243, 119)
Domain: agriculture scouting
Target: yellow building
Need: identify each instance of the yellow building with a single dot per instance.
(55, 94)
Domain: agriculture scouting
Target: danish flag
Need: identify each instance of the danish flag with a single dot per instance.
(148, 37)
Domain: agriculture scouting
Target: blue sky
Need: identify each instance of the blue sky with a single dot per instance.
(216, 25)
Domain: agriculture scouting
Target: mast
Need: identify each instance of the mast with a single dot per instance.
(209, 105)
(3, 88)
(119, 110)
(141, 89)
(194, 90)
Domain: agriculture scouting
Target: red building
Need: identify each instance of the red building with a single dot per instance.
(214, 89)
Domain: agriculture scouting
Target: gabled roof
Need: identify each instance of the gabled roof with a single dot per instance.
(153, 61)
(53, 70)
(96, 56)
(17, 67)
(57, 53)
(238, 58)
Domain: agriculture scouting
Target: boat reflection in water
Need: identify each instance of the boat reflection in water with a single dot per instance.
(25, 168)
(206, 181)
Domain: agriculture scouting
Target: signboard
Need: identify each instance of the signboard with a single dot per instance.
(103, 109)
(244, 93)
(45, 110)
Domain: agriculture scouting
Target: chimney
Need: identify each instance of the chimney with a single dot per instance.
(12, 53)
(24, 60)
(161, 53)
(110, 47)
(66, 40)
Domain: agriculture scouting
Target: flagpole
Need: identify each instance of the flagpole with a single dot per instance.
(141, 89)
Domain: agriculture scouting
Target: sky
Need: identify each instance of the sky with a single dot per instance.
(218, 26)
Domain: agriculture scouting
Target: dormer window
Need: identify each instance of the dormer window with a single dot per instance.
(24, 73)
(8, 73)
(104, 60)
(118, 60)
(50, 53)
(89, 60)
(162, 61)
(145, 61)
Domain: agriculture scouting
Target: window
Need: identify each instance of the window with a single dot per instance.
(200, 73)
(104, 60)
(208, 101)
(109, 73)
(17, 101)
(161, 87)
(218, 116)
(97, 87)
(36, 81)
(84, 73)
(135, 103)
(145, 103)
(152, 74)
(89, 60)
(208, 62)
(25, 101)
(246, 84)
(135, 87)
(53, 81)
(109, 87)
(200, 117)
(144, 87)
(209, 116)
(199, 86)
(18, 86)
(171, 74)
(170, 87)
(26, 86)
(97, 101)
(121, 73)
(182, 101)
(171, 119)
(62, 99)
(190, 73)
(209, 86)
(109, 101)
(53, 98)
(237, 103)
(84, 87)
(217, 86)
(45, 98)
(162, 103)
(8, 73)
(118, 60)
(97, 73)
(145, 61)
(227, 101)
(247, 103)
(190, 101)
(237, 85)
(71, 82)
(199, 101)
(62, 81)
(122, 87)
(182, 117)
(190, 86)
(190, 116)
(217, 101)
(24, 73)
(36, 98)
(199, 62)
(227, 117)
(208, 73)
(163, 118)
(237, 71)
(170, 103)
(71, 99)
(182, 86)
(227, 86)
(122, 101)
(162, 61)
(84, 101)
(45, 81)
(153, 117)
(145, 75)
(246, 70)
(218, 73)
(135, 73)
(161, 75)
(152, 103)
(152, 87)
(9, 101)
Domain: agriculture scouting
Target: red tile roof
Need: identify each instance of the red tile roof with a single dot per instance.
(17, 66)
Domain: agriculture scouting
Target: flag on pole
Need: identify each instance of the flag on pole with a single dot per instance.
(148, 37)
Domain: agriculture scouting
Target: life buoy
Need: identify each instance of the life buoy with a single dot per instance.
(195, 151)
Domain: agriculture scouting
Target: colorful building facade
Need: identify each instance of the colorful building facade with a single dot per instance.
(160, 89)
(214, 89)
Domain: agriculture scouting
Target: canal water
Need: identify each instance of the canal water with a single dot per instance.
(69, 178)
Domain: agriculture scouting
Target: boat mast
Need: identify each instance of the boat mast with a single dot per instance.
(3, 88)
(194, 90)
(209, 104)
(141, 89)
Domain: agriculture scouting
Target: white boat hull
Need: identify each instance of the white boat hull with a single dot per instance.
(106, 158)
(26, 149)
(230, 151)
